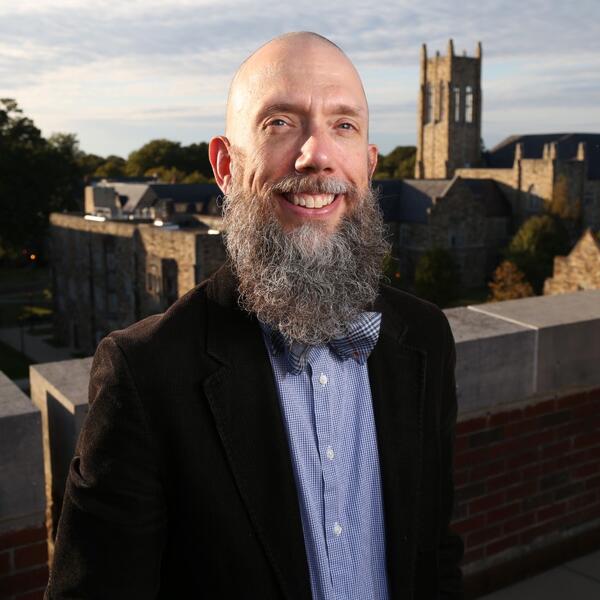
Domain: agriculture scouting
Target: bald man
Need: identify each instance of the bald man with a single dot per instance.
(285, 429)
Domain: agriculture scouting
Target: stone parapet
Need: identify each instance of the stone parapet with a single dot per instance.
(23, 554)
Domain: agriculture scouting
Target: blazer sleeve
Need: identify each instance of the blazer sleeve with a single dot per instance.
(112, 527)
(451, 545)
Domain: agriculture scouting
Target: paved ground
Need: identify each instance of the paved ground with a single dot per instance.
(575, 580)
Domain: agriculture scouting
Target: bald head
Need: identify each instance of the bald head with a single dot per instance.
(285, 61)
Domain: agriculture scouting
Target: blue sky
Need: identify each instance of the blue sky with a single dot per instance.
(119, 73)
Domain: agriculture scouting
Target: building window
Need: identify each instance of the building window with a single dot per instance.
(456, 103)
(428, 103)
(469, 104)
(441, 92)
(152, 283)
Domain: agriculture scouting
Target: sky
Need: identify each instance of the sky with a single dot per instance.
(118, 73)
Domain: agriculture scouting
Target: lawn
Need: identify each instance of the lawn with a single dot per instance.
(14, 364)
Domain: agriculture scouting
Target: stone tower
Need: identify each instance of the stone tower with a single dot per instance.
(449, 114)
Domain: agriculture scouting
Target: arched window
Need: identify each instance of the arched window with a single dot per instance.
(469, 104)
(428, 103)
(441, 92)
(456, 103)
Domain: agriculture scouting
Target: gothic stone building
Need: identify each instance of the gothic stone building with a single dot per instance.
(108, 274)
(580, 270)
(528, 171)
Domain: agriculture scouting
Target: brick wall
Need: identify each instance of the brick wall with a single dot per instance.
(526, 474)
(23, 564)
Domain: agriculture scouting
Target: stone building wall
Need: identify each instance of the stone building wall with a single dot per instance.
(580, 270)
(591, 204)
(107, 275)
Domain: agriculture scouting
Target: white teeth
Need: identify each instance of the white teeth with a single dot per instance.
(311, 200)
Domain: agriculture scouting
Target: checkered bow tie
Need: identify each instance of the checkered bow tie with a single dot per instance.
(357, 344)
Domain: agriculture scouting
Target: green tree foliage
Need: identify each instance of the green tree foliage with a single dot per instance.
(509, 283)
(437, 277)
(398, 164)
(564, 203)
(535, 245)
(37, 176)
(111, 167)
(167, 155)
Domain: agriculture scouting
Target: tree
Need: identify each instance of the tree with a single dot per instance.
(112, 167)
(564, 204)
(535, 245)
(398, 164)
(37, 176)
(509, 283)
(437, 277)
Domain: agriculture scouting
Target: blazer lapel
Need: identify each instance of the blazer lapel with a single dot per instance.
(244, 402)
(397, 376)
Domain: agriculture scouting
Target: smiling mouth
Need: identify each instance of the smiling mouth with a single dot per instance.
(310, 200)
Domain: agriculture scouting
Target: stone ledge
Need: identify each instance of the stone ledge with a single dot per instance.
(22, 498)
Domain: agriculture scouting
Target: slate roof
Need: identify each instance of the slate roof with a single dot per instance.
(502, 155)
(408, 200)
(489, 194)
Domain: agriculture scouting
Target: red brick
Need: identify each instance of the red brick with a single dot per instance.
(501, 545)
(593, 483)
(507, 416)
(471, 524)
(569, 430)
(485, 437)
(473, 555)
(471, 425)
(486, 502)
(5, 563)
(578, 502)
(521, 491)
(551, 512)
(593, 453)
(503, 481)
(582, 516)
(524, 458)
(23, 537)
(556, 449)
(583, 411)
(532, 472)
(554, 480)
(461, 443)
(519, 523)
(539, 438)
(24, 581)
(503, 513)
(475, 456)
(541, 408)
(482, 536)
(519, 428)
(586, 440)
(505, 449)
(484, 471)
(27, 556)
(586, 470)
(572, 489)
(461, 477)
(37, 595)
(573, 400)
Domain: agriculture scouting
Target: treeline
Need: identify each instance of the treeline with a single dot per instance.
(42, 175)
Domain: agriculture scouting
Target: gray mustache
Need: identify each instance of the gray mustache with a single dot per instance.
(294, 184)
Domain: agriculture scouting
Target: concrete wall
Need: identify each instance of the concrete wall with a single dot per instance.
(23, 553)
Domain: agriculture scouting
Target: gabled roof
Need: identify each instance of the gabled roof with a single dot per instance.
(489, 194)
(502, 156)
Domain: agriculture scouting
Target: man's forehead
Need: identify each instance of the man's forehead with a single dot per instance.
(284, 64)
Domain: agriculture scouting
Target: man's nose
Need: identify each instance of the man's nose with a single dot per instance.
(315, 154)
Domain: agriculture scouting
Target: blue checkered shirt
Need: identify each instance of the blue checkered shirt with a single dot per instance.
(326, 405)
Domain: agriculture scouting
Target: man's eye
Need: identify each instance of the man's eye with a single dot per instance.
(277, 122)
(347, 126)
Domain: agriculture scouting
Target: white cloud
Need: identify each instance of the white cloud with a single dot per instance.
(157, 65)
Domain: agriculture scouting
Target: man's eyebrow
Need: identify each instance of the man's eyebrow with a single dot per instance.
(347, 110)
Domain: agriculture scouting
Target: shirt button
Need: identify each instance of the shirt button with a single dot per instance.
(330, 453)
(337, 528)
(323, 379)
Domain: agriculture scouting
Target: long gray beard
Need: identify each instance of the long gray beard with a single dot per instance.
(307, 283)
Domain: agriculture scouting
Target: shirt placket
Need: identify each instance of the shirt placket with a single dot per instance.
(333, 526)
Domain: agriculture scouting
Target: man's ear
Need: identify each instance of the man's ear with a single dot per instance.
(372, 155)
(220, 161)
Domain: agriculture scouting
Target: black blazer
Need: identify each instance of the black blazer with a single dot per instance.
(182, 485)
